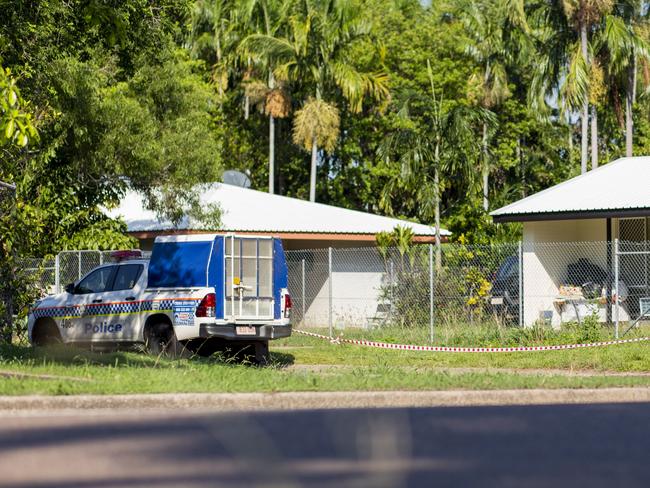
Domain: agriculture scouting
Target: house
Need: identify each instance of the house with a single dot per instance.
(308, 231)
(301, 224)
(590, 228)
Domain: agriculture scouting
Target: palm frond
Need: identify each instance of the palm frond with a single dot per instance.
(576, 87)
(316, 120)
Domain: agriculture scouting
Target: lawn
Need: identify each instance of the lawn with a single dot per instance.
(307, 364)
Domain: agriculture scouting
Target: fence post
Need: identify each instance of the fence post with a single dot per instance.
(431, 293)
(329, 254)
(101, 258)
(616, 280)
(57, 274)
(521, 284)
(303, 292)
(79, 268)
(391, 283)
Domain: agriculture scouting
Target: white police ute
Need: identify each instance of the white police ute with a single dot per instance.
(201, 292)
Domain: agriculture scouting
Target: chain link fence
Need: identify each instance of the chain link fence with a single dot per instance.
(372, 288)
(519, 284)
(51, 275)
(417, 289)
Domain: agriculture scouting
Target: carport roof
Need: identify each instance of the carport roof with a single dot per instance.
(246, 210)
(618, 189)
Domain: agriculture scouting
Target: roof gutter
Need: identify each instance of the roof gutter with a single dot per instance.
(572, 215)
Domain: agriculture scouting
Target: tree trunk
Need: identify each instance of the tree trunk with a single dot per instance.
(271, 154)
(271, 142)
(629, 104)
(485, 170)
(584, 143)
(522, 168)
(219, 84)
(312, 175)
(594, 137)
(247, 100)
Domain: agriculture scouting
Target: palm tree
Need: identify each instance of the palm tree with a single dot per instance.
(624, 48)
(217, 29)
(562, 65)
(213, 36)
(429, 145)
(316, 52)
(265, 18)
(493, 44)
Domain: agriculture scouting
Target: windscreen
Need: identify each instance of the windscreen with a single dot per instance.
(179, 264)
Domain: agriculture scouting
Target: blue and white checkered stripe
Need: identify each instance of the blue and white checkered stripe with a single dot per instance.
(115, 308)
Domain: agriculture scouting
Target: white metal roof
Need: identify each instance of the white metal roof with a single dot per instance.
(246, 210)
(618, 188)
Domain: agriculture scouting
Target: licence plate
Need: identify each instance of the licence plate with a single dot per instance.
(246, 330)
(497, 300)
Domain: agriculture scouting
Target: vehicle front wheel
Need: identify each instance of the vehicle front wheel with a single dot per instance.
(46, 333)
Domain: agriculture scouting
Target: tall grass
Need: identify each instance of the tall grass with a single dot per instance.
(486, 334)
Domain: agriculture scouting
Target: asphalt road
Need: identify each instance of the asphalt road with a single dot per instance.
(511, 446)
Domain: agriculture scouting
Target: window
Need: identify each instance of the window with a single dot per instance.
(127, 276)
(97, 281)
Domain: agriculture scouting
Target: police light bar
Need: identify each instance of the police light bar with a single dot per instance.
(126, 254)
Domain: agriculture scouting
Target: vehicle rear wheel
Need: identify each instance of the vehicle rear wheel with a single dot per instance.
(255, 352)
(160, 340)
(46, 333)
(262, 354)
(205, 347)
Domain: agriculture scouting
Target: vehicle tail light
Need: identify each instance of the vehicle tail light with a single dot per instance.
(287, 305)
(207, 306)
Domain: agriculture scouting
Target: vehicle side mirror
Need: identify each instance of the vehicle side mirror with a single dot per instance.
(70, 288)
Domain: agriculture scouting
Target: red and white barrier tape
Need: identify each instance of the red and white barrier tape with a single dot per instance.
(411, 347)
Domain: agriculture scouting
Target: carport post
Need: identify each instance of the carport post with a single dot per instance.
(303, 291)
(521, 284)
(616, 279)
(330, 289)
(431, 292)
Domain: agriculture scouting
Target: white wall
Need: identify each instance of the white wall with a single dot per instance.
(549, 247)
(355, 299)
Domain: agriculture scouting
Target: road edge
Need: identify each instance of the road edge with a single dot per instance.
(235, 402)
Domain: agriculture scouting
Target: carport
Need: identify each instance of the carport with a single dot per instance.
(598, 220)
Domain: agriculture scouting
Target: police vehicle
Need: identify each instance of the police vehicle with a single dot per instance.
(200, 292)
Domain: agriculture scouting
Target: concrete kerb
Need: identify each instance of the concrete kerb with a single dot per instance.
(237, 402)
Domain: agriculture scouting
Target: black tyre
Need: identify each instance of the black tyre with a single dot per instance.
(254, 352)
(262, 354)
(160, 340)
(204, 347)
(46, 333)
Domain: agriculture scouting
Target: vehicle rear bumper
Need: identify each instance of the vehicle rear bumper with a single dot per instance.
(262, 332)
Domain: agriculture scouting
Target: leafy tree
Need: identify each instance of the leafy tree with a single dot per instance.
(430, 147)
(623, 49)
(16, 124)
(317, 49)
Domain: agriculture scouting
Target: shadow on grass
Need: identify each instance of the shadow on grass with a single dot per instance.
(68, 355)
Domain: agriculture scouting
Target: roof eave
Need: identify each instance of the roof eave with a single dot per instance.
(572, 215)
